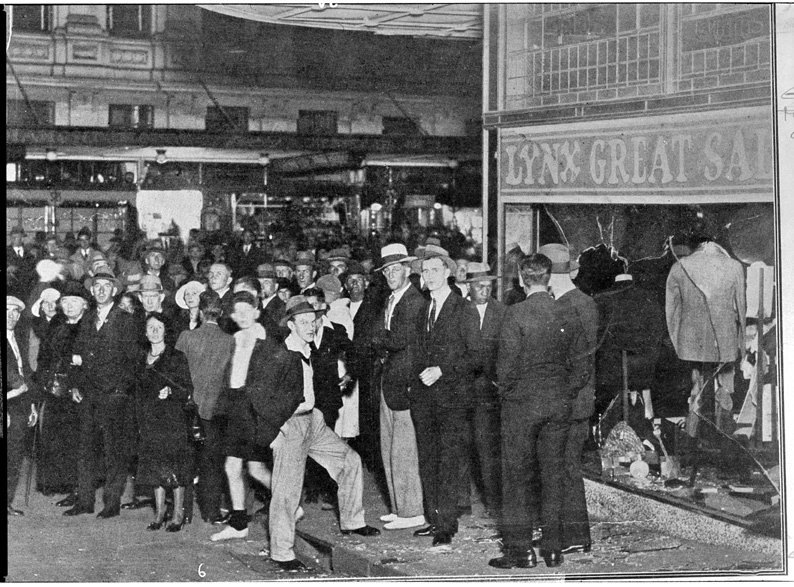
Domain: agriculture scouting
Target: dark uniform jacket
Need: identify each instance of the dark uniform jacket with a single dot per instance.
(585, 308)
(485, 369)
(453, 346)
(327, 395)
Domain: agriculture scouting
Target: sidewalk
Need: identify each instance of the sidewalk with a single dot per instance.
(621, 546)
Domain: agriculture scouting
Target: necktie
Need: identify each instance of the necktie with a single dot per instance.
(431, 317)
(389, 309)
(306, 360)
(313, 347)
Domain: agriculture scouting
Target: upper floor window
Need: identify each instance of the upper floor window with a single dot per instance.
(317, 122)
(229, 118)
(400, 126)
(129, 20)
(35, 113)
(129, 116)
(31, 18)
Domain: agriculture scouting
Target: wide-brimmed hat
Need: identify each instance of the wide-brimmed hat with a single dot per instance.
(305, 258)
(153, 247)
(74, 289)
(560, 257)
(342, 254)
(479, 272)
(107, 274)
(330, 283)
(266, 271)
(15, 302)
(196, 286)
(282, 263)
(297, 305)
(49, 294)
(355, 268)
(85, 231)
(435, 252)
(394, 253)
(18, 230)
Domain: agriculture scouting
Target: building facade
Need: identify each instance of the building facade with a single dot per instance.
(107, 102)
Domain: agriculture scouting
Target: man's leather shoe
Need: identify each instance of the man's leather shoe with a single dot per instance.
(363, 531)
(67, 501)
(587, 547)
(15, 512)
(108, 513)
(426, 531)
(442, 538)
(515, 559)
(552, 558)
(292, 566)
(77, 510)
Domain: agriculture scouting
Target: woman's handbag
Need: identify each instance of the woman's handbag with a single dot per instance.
(194, 426)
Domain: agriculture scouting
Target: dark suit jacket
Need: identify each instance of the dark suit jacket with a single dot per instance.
(327, 395)
(276, 309)
(398, 347)
(21, 403)
(208, 350)
(539, 338)
(488, 338)
(586, 310)
(192, 274)
(108, 354)
(26, 267)
(225, 321)
(243, 264)
(361, 355)
(453, 346)
(275, 387)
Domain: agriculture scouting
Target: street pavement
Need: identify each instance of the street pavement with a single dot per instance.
(44, 546)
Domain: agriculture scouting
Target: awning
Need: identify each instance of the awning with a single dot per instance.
(64, 197)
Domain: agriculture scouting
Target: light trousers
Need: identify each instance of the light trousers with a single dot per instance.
(308, 436)
(400, 461)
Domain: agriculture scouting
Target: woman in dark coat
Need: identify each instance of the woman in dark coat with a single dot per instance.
(165, 454)
(60, 421)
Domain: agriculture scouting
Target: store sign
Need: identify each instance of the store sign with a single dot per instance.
(727, 150)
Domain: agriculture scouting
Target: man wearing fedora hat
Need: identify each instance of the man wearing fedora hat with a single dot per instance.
(246, 256)
(538, 379)
(394, 340)
(485, 419)
(338, 260)
(23, 258)
(82, 257)
(299, 432)
(443, 397)
(272, 304)
(104, 350)
(576, 523)
(20, 398)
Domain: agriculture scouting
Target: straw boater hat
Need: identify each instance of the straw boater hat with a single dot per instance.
(297, 305)
(196, 286)
(305, 258)
(560, 257)
(436, 252)
(479, 272)
(394, 253)
(48, 295)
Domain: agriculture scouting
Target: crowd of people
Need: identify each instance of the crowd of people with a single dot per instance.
(168, 378)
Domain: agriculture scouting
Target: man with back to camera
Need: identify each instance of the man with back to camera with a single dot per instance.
(538, 380)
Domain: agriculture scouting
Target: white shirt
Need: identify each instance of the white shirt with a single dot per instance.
(295, 343)
(440, 295)
(396, 295)
(12, 340)
(244, 341)
(20, 251)
(481, 309)
(102, 314)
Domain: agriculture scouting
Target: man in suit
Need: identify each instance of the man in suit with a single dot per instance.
(576, 523)
(272, 304)
(366, 313)
(305, 270)
(706, 307)
(395, 340)
(20, 400)
(247, 256)
(105, 349)
(23, 259)
(538, 380)
(208, 350)
(338, 261)
(81, 259)
(299, 434)
(190, 263)
(443, 396)
(486, 433)
(220, 281)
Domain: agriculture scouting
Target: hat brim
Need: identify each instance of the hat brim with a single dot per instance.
(482, 278)
(89, 283)
(283, 322)
(388, 263)
(451, 265)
